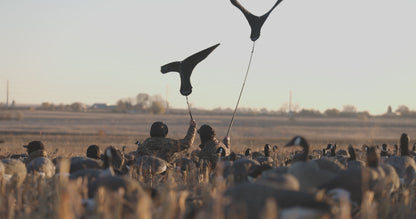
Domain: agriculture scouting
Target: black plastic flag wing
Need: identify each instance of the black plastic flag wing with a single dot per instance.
(255, 22)
(185, 68)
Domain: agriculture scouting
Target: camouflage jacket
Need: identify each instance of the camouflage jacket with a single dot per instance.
(165, 148)
(36, 154)
(209, 149)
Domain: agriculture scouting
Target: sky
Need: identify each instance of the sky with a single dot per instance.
(328, 53)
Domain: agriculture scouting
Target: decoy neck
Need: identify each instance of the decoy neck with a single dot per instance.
(300, 141)
(404, 145)
(351, 152)
(267, 150)
(372, 157)
(108, 158)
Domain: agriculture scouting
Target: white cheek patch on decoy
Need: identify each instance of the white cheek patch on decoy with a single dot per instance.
(297, 141)
(108, 153)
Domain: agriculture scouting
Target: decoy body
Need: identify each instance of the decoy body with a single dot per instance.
(255, 22)
(185, 68)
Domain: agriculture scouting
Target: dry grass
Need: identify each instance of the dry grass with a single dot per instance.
(71, 133)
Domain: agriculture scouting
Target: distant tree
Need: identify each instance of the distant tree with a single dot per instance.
(123, 106)
(403, 110)
(332, 112)
(143, 101)
(264, 111)
(47, 106)
(309, 113)
(349, 109)
(77, 107)
(363, 115)
(157, 107)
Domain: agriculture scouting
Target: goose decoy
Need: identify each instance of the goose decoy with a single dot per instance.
(352, 161)
(149, 165)
(254, 198)
(306, 171)
(279, 179)
(255, 22)
(248, 153)
(78, 163)
(266, 159)
(357, 180)
(384, 152)
(404, 165)
(185, 68)
(240, 170)
(14, 171)
(186, 169)
(42, 166)
(133, 193)
(93, 173)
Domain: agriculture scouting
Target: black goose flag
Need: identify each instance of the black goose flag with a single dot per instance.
(185, 68)
(256, 22)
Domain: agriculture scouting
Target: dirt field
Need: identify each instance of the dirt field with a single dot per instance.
(73, 132)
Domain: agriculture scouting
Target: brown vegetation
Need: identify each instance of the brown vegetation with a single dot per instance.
(69, 134)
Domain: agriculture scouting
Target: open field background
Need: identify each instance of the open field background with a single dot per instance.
(71, 133)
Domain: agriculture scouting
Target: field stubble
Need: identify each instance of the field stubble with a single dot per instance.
(73, 132)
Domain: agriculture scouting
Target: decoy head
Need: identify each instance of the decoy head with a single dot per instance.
(372, 157)
(297, 141)
(275, 148)
(384, 147)
(331, 147)
(248, 152)
(114, 158)
(300, 141)
(351, 152)
(159, 129)
(267, 150)
(221, 152)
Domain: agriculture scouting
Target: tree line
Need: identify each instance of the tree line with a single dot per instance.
(145, 103)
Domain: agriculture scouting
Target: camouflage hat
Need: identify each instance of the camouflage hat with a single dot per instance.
(34, 146)
(158, 129)
(93, 151)
(206, 132)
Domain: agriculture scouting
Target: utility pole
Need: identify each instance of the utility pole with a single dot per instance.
(167, 103)
(290, 105)
(7, 95)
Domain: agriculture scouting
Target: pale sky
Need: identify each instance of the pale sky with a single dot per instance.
(329, 53)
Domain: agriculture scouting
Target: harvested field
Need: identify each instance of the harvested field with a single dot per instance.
(178, 195)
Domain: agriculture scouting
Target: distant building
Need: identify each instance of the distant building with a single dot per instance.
(99, 106)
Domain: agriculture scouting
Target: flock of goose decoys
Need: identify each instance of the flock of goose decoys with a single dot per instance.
(305, 182)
